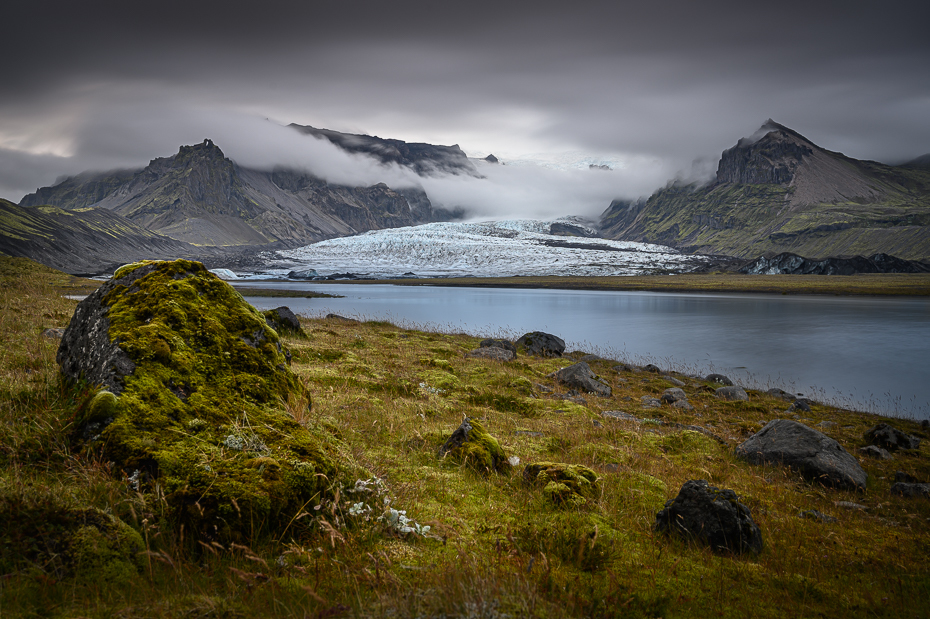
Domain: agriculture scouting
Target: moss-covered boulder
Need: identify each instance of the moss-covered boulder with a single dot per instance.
(284, 321)
(196, 401)
(471, 445)
(563, 485)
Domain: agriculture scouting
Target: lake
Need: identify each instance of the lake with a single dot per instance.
(871, 354)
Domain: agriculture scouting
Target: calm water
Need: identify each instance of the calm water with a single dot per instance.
(865, 353)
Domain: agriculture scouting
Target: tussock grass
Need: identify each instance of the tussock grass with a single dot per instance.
(496, 547)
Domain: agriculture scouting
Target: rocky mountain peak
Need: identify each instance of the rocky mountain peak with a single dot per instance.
(771, 155)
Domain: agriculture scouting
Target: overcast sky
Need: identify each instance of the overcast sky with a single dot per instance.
(647, 87)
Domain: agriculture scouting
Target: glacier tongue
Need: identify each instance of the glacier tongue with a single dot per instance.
(486, 249)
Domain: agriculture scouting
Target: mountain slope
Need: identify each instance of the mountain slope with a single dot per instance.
(201, 197)
(777, 191)
(85, 241)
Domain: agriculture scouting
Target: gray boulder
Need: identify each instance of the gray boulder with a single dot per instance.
(817, 456)
(719, 378)
(675, 394)
(649, 367)
(781, 394)
(732, 393)
(539, 344)
(503, 344)
(801, 404)
(711, 516)
(283, 320)
(892, 439)
(910, 489)
(491, 352)
(650, 402)
(580, 376)
(874, 451)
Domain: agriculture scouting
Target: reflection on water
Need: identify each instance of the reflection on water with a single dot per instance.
(866, 353)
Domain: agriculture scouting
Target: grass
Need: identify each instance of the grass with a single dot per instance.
(495, 548)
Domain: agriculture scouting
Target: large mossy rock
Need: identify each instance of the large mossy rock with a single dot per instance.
(197, 390)
(470, 444)
(817, 456)
(563, 485)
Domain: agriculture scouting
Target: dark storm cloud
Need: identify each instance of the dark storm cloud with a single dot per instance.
(114, 84)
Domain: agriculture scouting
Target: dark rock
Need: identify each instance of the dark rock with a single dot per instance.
(350, 321)
(813, 514)
(622, 367)
(683, 405)
(492, 159)
(491, 352)
(304, 274)
(781, 394)
(732, 393)
(283, 320)
(336, 276)
(817, 456)
(792, 264)
(581, 377)
(719, 378)
(891, 438)
(489, 343)
(710, 516)
(620, 415)
(650, 402)
(471, 445)
(675, 394)
(874, 451)
(911, 490)
(539, 344)
(906, 478)
(649, 367)
(800, 404)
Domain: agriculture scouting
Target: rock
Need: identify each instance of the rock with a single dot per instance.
(813, 514)
(492, 352)
(539, 344)
(906, 478)
(910, 489)
(826, 425)
(874, 451)
(891, 438)
(674, 381)
(710, 516)
(781, 394)
(851, 506)
(581, 377)
(675, 394)
(732, 393)
(719, 378)
(283, 320)
(800, 404)
(620, 415)
(53, 333)
(304, 274)
(194, 375)
(683, 405)
(472, 446)
(337, 317)
(564, 485)
(592, 358)
(650, 402)
(817, 456)
(652, 368)
(622, 367)
(489, 343)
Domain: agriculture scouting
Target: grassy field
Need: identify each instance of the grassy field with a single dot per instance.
(495, 547)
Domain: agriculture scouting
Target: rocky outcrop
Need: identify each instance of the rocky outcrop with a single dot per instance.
(539, 344)
(890, 438)
(791, 264)
(579, 376)
(708, 515)
(504, 344)
(815, 455)
(195, 380)
(732, 393)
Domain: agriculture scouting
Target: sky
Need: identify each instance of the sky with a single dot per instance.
(656, 90)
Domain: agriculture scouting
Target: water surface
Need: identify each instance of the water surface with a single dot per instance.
(862, 352)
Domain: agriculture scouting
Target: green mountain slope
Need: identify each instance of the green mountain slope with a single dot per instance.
(84, 241)
(201, 197)
(778, 192)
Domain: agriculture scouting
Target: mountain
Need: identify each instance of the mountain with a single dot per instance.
(424, 159)
(83, 241)
(778, 192)
(201, 197)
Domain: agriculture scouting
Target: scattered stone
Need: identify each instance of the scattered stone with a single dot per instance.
(348, 321)
(874, 451)
(650, 402)
(910, 490)
(570, 397)
(491, 352)
(683, 405)
(283, 320)
(813, 514)
(652, 368)
(891, 438)
(817, 456)
(564, 485)
(622, 367)
(620, 415)
(489, 343)
(826, 425)
(304, 274)
(471, 445)
(732, 393)
(592, 358)
(54, 333)
(539, 344)
(907, 478)
(851, 506)
(711, 516)
(581, 377)
(542, 388)
(720, 379)
(672, 395)
(674, 381)
(781, 394)
(801, 404)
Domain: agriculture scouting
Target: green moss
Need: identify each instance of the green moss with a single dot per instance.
(564, 485)
(584, 540)
(474, 447)
(207, 396)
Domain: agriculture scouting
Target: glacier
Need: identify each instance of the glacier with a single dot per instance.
(515, 247)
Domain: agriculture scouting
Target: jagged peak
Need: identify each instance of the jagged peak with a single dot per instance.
(769, 127)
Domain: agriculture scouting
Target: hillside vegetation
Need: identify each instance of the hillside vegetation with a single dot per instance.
(434, 537)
